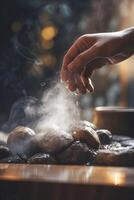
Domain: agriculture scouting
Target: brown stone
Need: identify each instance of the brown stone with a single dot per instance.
(88, 135)
(77, 153)
(19, 140)
(105, 136)
(52, 140)
(115, 156)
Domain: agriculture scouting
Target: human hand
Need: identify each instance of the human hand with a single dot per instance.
(90, 52)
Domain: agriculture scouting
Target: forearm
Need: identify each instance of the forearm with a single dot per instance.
(128, 37)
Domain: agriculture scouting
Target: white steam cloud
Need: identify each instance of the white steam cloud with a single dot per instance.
(59, 108)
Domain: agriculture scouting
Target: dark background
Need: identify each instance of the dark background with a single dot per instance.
(29, 62)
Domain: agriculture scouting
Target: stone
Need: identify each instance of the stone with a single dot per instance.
(77, 153)
(52, 140)
(4, 151)
(122, 156)
(20, 141)
(87, 135)
(105, 136)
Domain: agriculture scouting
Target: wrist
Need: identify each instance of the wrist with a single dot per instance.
(128, 38)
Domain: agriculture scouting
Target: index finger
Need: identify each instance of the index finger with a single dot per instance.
(70, 55)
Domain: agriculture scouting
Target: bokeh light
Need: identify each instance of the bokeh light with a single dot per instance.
(49, 32)
(47, 44)
(49, 60)
(117, 178)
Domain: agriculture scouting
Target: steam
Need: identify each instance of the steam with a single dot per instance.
(3, 137)
(59, 108)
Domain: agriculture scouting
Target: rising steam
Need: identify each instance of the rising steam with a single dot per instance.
(59, 108)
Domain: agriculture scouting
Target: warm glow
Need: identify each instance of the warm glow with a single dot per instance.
(49, 32)
(47, 44)
(49, 60)
(117, 178)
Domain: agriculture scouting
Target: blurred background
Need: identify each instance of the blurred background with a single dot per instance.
(34, 36)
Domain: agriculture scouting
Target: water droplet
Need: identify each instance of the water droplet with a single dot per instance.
(43, 84)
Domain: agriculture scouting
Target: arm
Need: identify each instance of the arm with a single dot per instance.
(128, 35)
(92, 51)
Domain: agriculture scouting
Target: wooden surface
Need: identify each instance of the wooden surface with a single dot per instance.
(53, 182)
(68, 174)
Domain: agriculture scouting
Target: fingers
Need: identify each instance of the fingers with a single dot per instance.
(88, 84)
(80, 45)
(74, 82)
(68, 78)
(64, 75)
(77, 65)
(71, 85)
(82, 81)
(87, 81)
(80, 85)
(87, 73)
(76, 75)
(70, 55)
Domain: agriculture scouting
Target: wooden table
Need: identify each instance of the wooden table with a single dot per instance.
(53, 182)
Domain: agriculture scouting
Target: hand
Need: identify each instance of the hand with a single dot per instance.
(90, 52)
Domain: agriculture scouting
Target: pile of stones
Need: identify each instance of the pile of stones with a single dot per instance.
(84, 145)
